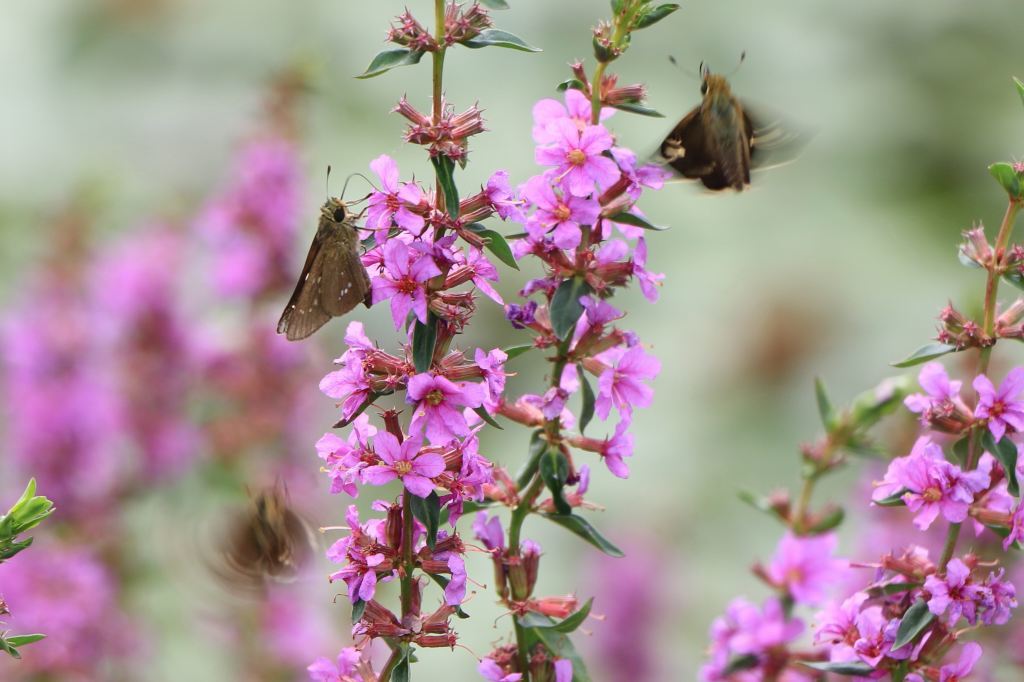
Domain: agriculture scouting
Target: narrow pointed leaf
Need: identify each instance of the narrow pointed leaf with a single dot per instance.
(496, 244)
(554, 469)
(634, 108)
(825, 409)
(849, 669)
(571, 84)
(373, 397)
(627, 218)
(587, 393)
(488, 419)
(894, 500)
(428, 511)
(516, 351)
(390, 59)
(1006, 452)
(925, 353)
(1007, 178)
(444, 169)
(497, 38)
(570, 623)
(566, 308)
(357, 611)
(581, 527)
(915, 620)
(424, 338)
(654, 15)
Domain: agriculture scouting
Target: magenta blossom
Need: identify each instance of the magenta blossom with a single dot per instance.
(405, 272)
(492, 672)
(344, 670)
(805, 567)
(577, 157)
(547, 113)
(931, 484)
(439, 403)
(489, 531)
(837, 628)
(405, 461)
(455, 590)
(622, 383)
(617, 448)
(503, 200)
(649, 281)
(955, 594)
(492, 365)
(954, 672)
(557, 213)
(1003, 408)
(393, 203)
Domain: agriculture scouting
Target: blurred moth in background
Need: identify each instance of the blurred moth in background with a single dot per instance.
(721, 140)
(333, 280)
(268, 542)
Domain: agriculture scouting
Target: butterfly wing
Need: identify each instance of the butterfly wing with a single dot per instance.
(776, 141)
(305, 311)
(345, 281)
(701, 149)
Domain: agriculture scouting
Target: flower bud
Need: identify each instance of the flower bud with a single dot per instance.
(975, 247)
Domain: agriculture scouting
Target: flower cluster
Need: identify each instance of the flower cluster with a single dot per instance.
(429, 258)
(905, 613)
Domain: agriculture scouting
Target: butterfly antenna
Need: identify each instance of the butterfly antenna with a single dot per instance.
(327, 182)
(743, 56)
(689, 73)
(352, 175)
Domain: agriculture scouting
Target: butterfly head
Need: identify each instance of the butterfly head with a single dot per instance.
(335, 210)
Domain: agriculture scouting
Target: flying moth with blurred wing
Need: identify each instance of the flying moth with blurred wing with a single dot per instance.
(720, 141)
(333, 280)
(269, 542)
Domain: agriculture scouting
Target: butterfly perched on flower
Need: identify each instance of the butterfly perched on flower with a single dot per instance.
(333, 280)
(721, 140)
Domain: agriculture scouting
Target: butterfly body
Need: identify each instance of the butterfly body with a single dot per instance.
(719, 142)
(333, 279)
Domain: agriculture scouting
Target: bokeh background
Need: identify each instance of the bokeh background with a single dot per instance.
(119, 115)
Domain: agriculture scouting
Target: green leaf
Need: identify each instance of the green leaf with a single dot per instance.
(828, 522)
(488, 419)
(424, 338)
(653, 15)
(516, 351)
(499, 38)
(358, 609)
(849, 668)
(1020, 88)
(1015, 278)
(566, 308)
(925, 353)
(581, 527)
(627, 218)
(891, 589)
(444, 169)
(554, 469)
(761, 504)
(401, 671)
(859, 445)
(571, 84)
(4, 646)
(570, 623)
(559, 644)
(739, 663)
(825, 409)
(428, 511)
(634, 108)
(587, 393)
(1006, 452)
(915, 620)
(496, 244)
(390, 59)
(22, 640)
(1007, 177)
(538, 446)
(894, 500)
(494, 4)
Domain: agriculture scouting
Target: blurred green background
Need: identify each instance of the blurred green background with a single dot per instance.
(831, 266)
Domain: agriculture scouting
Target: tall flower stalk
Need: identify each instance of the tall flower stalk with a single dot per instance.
(430, 259)
(906, 613)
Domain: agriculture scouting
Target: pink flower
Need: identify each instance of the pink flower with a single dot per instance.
(649, 281)
(404, 461)
(350, 385)
(932, 484)
(1003, 408)
(747, 629)
(503, 200)
(492, 365)
(439, 403)
(393, 203)
(346, 459)
(955, 594)
(805, 566)
(489, 531)
(622, 383)
(484, 273)
(405, 272)
(1003, 599)
(954, 672)
(617, 448)
(345, 670)
(492, 672)
(563, 670)
(547, 113)
(578, 157)
(837, 628)
(455, 590)
(561, 214)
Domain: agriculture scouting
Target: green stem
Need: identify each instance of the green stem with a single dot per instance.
(407, 554)
(988, 331)
(438, 82)
(389, 667)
